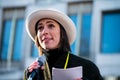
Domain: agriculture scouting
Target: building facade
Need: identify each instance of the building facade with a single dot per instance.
(98, 29)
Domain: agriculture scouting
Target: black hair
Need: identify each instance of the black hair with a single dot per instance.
(64, 42)
(36, 25)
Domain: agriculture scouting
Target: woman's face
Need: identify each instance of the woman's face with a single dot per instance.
(48, 33)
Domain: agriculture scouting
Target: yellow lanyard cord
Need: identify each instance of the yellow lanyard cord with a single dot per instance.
(66, 63)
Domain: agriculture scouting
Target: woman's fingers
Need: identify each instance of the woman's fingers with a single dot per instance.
(32, 66)
(42, 67)
(78, 79)
(30, 70)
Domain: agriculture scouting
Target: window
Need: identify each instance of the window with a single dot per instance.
(5, 40)
(12, 32)
(110, 41)
(74, 18)
(34, 52)
(18, 39)
(80, 13)
(85, 35)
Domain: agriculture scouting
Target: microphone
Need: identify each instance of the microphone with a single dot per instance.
(41, 60)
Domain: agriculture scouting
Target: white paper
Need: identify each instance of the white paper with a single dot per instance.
(67, 74)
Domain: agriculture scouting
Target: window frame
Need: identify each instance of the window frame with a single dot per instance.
(84, 8)
(107, 63)
(9, 63)
(104, 13)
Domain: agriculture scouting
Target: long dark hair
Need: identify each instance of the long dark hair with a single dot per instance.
(64, 42)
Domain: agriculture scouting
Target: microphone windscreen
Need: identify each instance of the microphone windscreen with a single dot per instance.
(42, 60)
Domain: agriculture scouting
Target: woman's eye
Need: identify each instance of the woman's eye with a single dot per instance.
(51, 26)
(40, 28)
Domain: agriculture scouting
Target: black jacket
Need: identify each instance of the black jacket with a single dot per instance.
(90, 70)
(57, 60)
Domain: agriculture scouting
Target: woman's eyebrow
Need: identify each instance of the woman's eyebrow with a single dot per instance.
(39, 23)
(49, 22)
(46, 22)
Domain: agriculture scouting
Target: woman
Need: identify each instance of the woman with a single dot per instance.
(53, 32)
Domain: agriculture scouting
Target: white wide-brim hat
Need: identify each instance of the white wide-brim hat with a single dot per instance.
(60, 17)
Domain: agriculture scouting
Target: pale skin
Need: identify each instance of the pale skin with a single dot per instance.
(48, 33)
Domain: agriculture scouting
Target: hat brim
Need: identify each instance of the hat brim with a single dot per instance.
(64, 20)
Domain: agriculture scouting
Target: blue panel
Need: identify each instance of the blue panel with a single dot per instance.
(85, 35)
(6, 38)
(18, 39)
(74, 18)
(110, 41)
(34, 53)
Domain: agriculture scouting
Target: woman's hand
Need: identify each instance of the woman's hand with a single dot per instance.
(34, 65)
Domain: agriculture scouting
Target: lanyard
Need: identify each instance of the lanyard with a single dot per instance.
(66, 63)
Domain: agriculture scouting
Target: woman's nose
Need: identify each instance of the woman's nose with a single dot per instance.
(45, 30)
